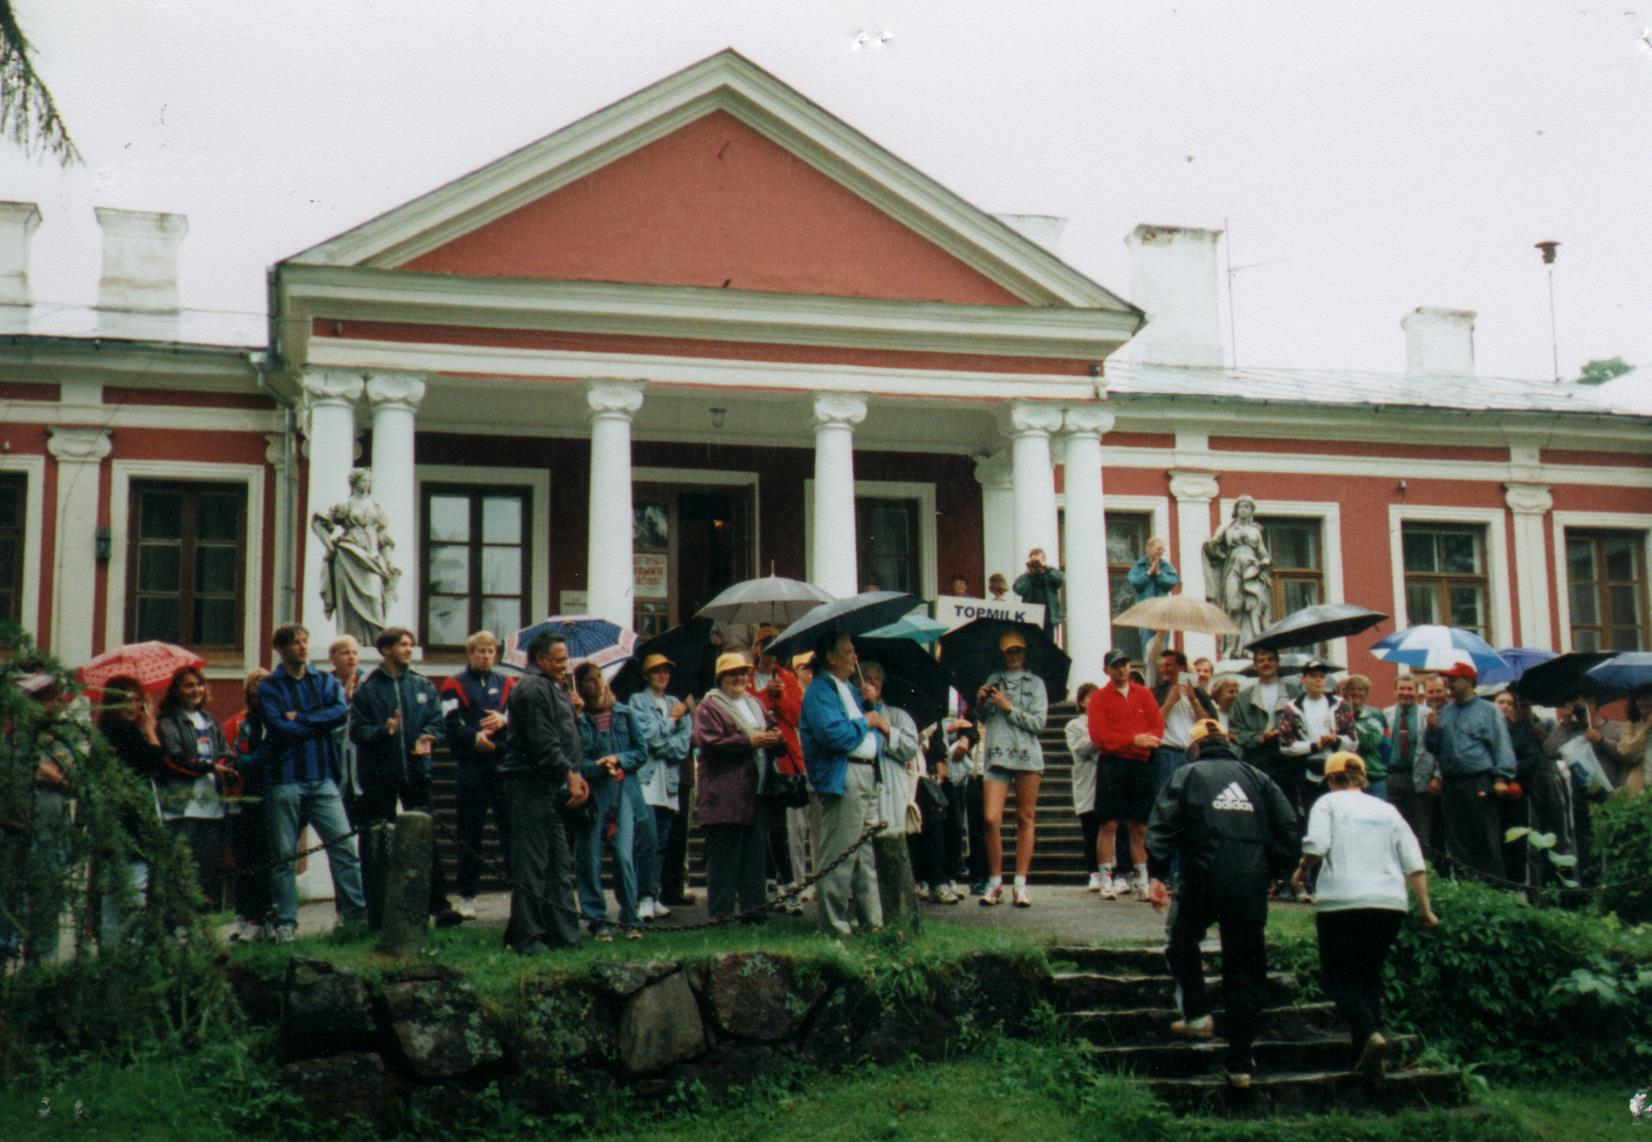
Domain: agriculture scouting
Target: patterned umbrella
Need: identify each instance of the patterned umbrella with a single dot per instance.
(1437, 648)
(590, 639)
(152, 663)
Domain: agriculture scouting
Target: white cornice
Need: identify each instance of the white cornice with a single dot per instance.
(352, 293)
(177, 417)
(730, 83)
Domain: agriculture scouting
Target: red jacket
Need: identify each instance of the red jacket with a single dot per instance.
(786, 714)
(1115, 720)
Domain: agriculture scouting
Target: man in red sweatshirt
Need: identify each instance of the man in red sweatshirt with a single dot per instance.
(1126, 727)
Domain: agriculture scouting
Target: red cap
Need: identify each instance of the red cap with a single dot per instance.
(1460, 670)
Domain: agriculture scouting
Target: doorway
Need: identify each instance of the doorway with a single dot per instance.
(690, 541)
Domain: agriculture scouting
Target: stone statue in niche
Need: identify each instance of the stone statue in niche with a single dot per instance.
(358, 580)
(1239, 576)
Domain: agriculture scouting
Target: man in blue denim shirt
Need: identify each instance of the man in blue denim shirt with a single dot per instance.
(1470, 739)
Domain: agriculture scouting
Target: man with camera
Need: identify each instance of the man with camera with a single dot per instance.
(1470, 739)
(1040, 585)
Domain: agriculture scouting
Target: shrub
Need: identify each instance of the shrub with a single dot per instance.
(1623, 848)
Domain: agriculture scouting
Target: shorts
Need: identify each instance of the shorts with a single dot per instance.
(1008, 776)
(1124, 789)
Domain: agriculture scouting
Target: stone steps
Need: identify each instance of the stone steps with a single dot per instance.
(1121, 1001)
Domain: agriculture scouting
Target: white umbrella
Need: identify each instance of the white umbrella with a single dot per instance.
(772, 599)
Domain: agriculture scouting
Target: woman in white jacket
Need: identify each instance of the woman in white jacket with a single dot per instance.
(1085, 759)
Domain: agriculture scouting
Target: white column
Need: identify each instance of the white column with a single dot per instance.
(1089, 601)
(836, 561)
(1030, 426)
(610, 583)
(1193, 491)
(395, 398)
(330, 397)
(1528, 503)
(79, 453)
(993, 473)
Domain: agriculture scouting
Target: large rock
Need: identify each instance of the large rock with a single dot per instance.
(842, 1021)
(994, 991)
(562, 1090)
(566, 1023)
(903, 1029)
(622, 978)
(728, 1066)
(755, 995)
(660, 1025)
(437, 1024)
(353, 1085)
(325, 1010)
(259, 996)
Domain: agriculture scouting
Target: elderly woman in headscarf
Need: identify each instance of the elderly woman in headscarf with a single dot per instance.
(733, 735)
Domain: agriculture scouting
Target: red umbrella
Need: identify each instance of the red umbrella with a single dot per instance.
(152, 663)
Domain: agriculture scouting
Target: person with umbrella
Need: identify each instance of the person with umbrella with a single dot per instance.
(1233, 833)
(1012, 706)
(1471, 740)
(1635, 746)
(841, 741)
(667, 726)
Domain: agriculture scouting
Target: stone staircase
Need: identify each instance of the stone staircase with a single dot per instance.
(1122, 1000)
(1057, 860)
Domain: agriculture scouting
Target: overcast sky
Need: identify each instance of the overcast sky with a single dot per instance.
(1366, 158)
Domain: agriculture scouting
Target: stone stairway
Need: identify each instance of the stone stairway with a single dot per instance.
(1057, 860)
(1122, 1000)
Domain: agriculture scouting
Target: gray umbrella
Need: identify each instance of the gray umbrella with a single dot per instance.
(771, 599)
(1313, 625)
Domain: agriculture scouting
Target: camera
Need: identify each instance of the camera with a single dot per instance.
(1580, 713)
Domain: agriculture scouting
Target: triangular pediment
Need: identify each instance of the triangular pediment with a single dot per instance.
(719, 176)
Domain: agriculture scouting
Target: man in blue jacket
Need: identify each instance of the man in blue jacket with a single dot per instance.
(1469, 737)
(302, 708)
(473, 710)
(841, 743)
(395, 721)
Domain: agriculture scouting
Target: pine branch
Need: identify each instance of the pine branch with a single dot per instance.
(28, 114)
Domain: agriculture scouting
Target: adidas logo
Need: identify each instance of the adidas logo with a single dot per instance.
(1233, 800)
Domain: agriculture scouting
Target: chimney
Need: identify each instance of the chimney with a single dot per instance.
(1439, 342)
(1045, 229)
(138, 292)
(1174, 277)
(17, 223)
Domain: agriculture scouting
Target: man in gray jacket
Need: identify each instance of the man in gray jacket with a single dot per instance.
(1413, 774)
(541, 771)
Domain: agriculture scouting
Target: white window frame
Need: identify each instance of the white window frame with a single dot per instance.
(33, 470)
(1498, 577)
(924, 493)
(538, 483)
(1329, 515)
(122, 473)
(1589, 521)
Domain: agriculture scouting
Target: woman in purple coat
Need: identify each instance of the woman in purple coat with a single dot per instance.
(732, 735)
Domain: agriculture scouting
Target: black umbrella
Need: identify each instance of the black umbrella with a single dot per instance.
(970, 653)
(912, 679)
(1313, 625)
(1290, 665)
(852, 616)
(692, 656)
(1565, 677)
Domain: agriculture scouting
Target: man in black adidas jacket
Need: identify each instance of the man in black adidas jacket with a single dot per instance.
(1235, 833)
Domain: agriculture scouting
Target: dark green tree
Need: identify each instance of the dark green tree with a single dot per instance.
(28, 114)
(1596, 372)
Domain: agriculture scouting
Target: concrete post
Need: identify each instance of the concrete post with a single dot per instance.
(407, 885)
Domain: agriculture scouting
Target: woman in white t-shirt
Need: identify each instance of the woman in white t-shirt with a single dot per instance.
(188, 787)
(1369, 855)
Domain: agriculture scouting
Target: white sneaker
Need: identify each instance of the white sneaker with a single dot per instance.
(467, 907)
(1112, 887)
(660, 911)
(645, 908)
(1139, 889)
(286, 934)
(1023, 899)
(1095, 882)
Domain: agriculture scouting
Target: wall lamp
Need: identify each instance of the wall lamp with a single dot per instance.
(102, 544)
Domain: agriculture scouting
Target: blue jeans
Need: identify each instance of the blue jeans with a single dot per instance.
(478, 788)
(588, 846)
(316, 803)
(664, 824)
(645, 855)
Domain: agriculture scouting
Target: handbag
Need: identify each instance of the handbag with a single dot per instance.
(788, 790)
(931, 799)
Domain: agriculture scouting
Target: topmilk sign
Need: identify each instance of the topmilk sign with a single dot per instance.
(955, 611)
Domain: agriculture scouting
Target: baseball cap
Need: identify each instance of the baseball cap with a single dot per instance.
(655, 660)
(1459, 670)
(1315, 666)
(1344, 761)
(1206, 728)
(1012, 638)
(731, 661)
(1114, 657)
(799, 661)
(767, 632)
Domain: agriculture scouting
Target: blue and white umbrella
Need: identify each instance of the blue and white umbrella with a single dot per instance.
(590, 638)
(1519, 659)
(1438, 648)
(1627, 671)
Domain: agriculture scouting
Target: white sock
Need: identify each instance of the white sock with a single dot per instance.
(1141, 873)
(1107, 872)
(1020, 882)
(995, 882)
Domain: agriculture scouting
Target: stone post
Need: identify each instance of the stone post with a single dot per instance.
(407, 885)
(895, 888)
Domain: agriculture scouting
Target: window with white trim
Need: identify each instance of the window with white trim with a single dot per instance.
(1127, 535)
(185, 567)
(13, 488)
(476, 563)
(1446, 582)
(1296, 544)
(1606, 585)
(886, 543)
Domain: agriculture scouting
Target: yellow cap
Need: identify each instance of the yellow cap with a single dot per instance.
(730, 662)
(655, 660)
(1012, 638)
(1345, 761)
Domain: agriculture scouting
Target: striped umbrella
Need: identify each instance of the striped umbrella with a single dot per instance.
(590, 638)
(1437, 648)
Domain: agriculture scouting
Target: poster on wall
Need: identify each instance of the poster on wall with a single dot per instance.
(651, 571)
